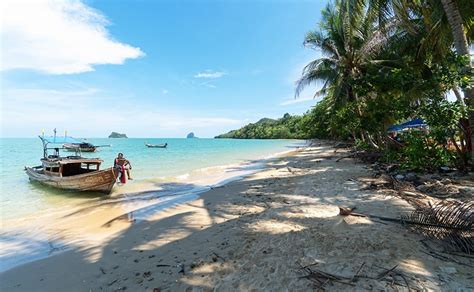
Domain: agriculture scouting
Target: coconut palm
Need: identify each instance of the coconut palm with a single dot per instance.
(460, 39)
(340, 41)
(349, 41)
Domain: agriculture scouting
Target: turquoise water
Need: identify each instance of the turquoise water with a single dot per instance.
(183, 160)
(35, 218)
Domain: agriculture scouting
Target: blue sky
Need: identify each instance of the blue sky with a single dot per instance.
(151, 68)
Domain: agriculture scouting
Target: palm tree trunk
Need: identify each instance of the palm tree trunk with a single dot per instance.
(462, 48)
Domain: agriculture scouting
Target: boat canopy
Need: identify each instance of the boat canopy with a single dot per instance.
(59, 140)
(81, 160)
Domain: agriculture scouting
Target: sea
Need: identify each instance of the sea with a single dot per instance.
(162, 177)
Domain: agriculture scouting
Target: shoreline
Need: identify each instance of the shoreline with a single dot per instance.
(256, 234)
(27, 245)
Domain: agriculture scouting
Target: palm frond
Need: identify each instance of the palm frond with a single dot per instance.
(379, 38)
(450, 221)
(316, 71)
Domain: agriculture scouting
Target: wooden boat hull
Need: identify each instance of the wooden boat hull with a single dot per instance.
(83, 149)
(97, 181)
(155, 146)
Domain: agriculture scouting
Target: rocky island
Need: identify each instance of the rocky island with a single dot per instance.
(191, 135)
(117, 135)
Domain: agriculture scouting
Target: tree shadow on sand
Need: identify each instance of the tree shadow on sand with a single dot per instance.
(256, 233)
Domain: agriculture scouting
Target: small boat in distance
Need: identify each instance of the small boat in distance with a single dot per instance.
(84, 147)
(156, 145)
(71, 172)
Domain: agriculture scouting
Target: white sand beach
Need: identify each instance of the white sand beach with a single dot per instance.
(254, 234)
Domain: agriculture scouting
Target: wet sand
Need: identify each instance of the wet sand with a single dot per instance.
(251, 234)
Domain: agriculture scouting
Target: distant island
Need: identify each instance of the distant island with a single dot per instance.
(191, 135)
(117, 135)
(287, 127)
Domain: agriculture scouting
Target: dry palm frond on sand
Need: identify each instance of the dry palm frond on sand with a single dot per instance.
(449, 221)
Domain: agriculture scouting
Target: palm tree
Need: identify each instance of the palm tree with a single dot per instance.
(349, 41)
(460, 39)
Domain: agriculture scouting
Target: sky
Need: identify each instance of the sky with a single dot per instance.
(151, 68)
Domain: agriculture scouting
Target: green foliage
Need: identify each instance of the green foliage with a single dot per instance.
(288, 127)
(421, 152)
(383, 63)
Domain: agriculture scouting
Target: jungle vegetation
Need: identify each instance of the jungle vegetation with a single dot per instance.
(385, 62)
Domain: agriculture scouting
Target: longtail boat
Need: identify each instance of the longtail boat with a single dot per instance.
(71, 172)
(81, 146)
(156, 145)
(84, 147)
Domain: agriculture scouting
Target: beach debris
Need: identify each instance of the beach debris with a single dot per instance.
(452, 222)
(399, 177)
(354, 278)
(391, 276)
(321, 278)
(113, 282)
(181, 271)
(439, 189)
(147, 274)
(346, 210)
(444, 257)
(217, 256)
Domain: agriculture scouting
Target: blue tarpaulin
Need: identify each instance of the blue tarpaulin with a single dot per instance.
(416, 123)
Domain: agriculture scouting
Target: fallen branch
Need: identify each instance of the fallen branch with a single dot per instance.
(321, 278)
(358, 271)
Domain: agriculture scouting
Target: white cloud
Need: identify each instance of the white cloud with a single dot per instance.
(164, 91)
(210, 74)
(293, 100)
(58, 37)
